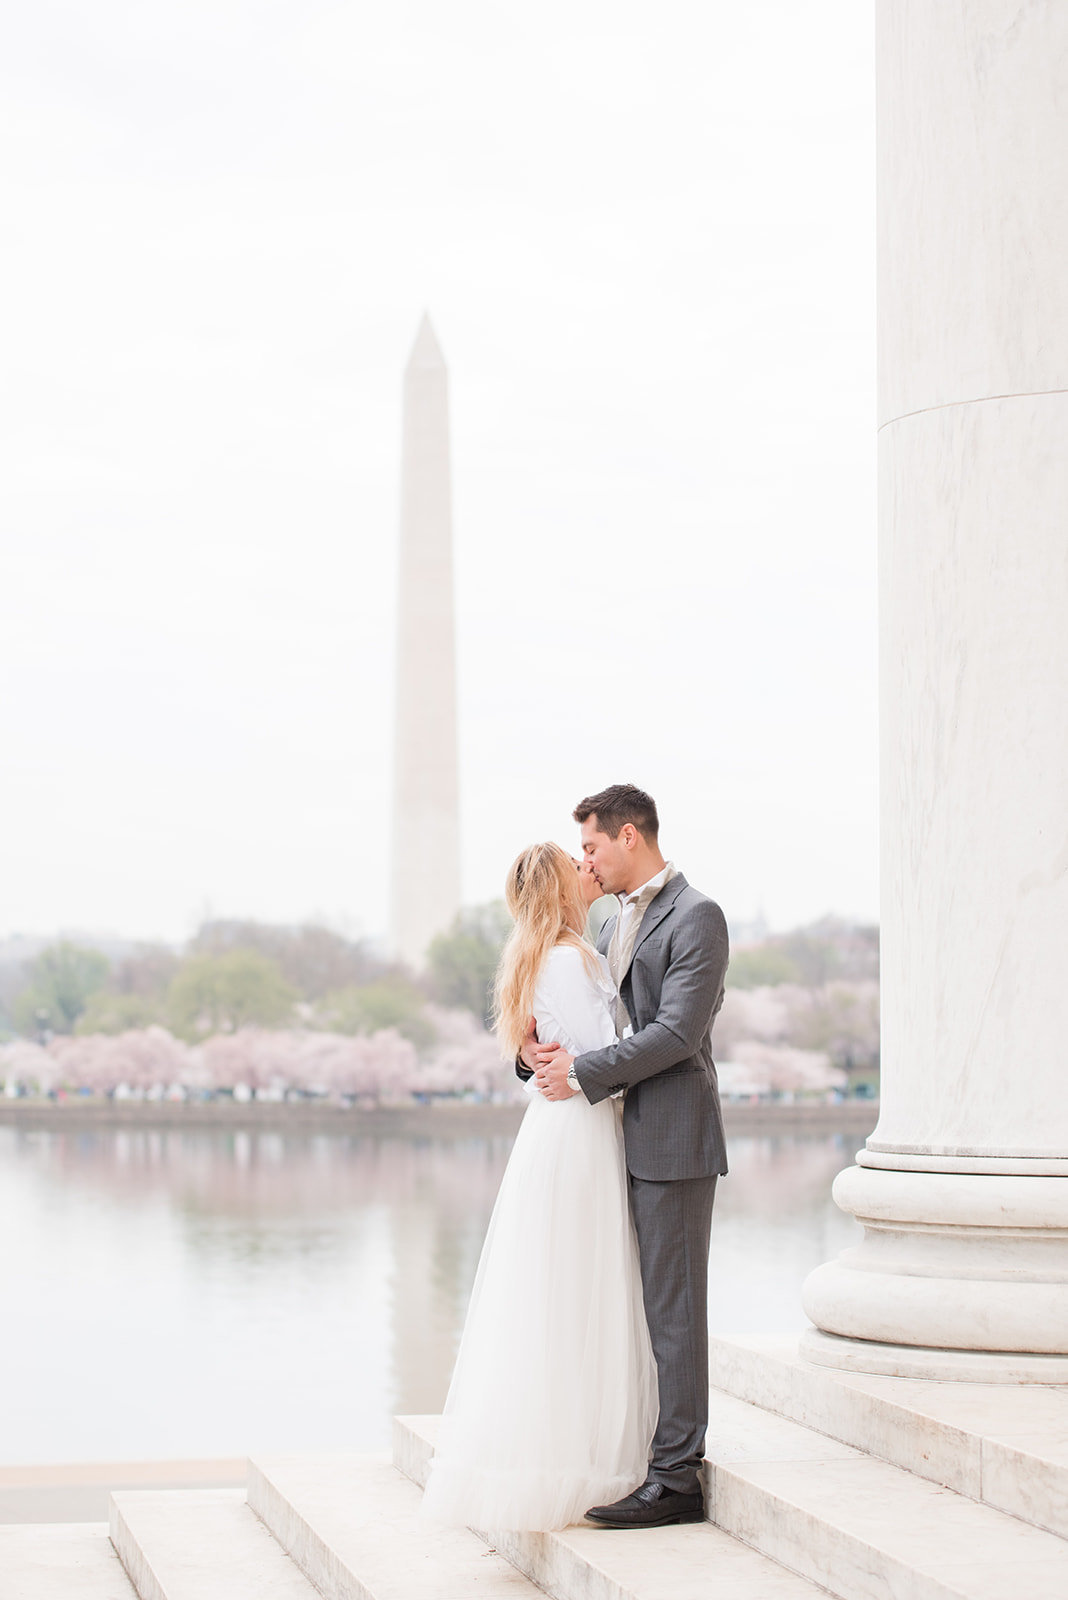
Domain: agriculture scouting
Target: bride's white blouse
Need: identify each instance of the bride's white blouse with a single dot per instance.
(573, 1005)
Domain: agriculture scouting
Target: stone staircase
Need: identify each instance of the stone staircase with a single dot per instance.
(818, 1482)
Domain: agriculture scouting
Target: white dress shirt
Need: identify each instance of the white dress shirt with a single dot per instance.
(632, 908)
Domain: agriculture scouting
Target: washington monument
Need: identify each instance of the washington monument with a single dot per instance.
(426, 812)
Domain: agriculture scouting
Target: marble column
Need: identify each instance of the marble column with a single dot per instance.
(426, 810)
(963, 1187)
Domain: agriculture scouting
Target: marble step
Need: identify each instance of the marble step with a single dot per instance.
(349, 1523)
(200, 1544)
(868, 1530)
(696, 1562)
(1003, 1444)
(71, 1561)
(856, 1526)
(862, 1527)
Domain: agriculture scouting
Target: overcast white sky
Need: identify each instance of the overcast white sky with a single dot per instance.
(645, 236)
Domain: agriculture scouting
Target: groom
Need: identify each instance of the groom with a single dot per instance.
(667, 951)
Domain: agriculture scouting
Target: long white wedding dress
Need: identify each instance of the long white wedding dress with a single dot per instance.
(553, 1397)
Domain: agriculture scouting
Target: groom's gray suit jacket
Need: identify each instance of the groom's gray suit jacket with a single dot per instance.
(673, 988)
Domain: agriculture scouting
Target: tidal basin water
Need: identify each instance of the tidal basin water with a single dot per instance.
(171, 1292)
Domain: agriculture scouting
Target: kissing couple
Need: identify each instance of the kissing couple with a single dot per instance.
(581, 1382)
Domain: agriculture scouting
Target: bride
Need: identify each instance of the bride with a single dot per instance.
(553, 1398)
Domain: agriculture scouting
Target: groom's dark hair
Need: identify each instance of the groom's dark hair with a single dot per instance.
(620, 803)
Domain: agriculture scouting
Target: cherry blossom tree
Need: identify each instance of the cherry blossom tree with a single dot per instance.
(27, 1067)
(785, 1070)
(466, 1059)
(377, 1068)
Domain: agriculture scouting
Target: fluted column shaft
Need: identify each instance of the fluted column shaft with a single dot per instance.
(963, 1186)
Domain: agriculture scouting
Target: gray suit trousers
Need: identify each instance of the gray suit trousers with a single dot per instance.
(673, 1221)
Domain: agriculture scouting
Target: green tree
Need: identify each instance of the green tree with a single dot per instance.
(60, 984)
(463, 961)
(761, 965)
(814, 953)
(108, 1012)
(146, 971)
(219, 993)
(315, 960)
(392, 1002)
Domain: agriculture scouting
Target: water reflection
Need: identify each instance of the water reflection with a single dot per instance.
(178, 1292)
(774, 1221)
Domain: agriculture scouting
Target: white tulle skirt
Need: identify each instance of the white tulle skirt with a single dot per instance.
(553, 1401)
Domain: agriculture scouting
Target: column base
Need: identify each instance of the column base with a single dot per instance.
(958, 1276)
(916, 1361)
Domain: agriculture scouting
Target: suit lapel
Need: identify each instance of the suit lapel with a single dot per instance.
(604, 938)
(657, 910)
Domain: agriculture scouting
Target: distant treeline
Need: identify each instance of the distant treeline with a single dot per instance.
(801, 1014)
(236, 974)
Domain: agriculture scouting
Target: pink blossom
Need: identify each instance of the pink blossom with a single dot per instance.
(28, 1065)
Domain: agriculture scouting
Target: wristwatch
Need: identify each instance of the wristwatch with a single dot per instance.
(572, 1079)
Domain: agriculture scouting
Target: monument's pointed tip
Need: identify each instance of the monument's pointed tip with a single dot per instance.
(426, 352)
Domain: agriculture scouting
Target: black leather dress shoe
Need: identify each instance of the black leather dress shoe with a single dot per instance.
(651, 1506)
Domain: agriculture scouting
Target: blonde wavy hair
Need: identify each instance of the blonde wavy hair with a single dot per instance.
(542, 893)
